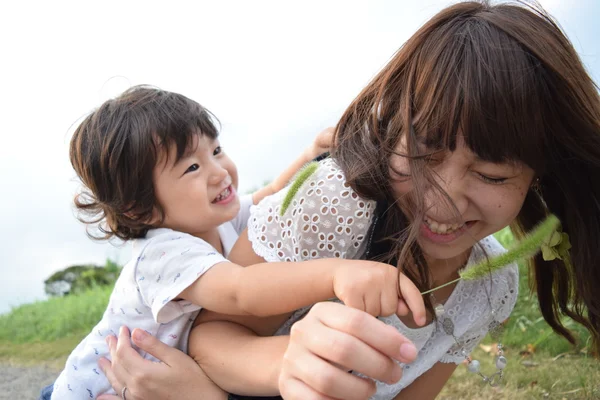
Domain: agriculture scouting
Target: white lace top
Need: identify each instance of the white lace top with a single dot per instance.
(327, 218)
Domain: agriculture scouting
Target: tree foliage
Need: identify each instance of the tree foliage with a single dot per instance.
(79, 278)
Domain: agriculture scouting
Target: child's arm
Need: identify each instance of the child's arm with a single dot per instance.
(320, 145)
(275, 288)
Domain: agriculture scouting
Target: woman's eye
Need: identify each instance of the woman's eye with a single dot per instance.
(493, 181)
(192, 168)
(399, 175)
(218, 150)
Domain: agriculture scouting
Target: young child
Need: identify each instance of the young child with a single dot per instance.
(154, 173)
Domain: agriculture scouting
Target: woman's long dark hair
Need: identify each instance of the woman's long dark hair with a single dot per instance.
(510, 82)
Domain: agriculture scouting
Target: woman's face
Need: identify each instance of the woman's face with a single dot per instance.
(487, 197)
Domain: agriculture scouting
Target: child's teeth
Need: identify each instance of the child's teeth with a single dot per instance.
(223, 195)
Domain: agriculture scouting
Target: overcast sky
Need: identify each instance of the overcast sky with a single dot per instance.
(273, 72)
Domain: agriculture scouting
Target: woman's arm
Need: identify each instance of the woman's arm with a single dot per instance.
(430, 384)
(236, 359)
(320, 145)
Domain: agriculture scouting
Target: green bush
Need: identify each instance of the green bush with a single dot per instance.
(80, 278)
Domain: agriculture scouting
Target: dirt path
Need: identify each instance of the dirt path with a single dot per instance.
(24, 383)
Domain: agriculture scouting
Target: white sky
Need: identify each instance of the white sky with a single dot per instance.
(273, 72)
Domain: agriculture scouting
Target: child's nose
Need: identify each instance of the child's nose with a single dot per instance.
(217, 174)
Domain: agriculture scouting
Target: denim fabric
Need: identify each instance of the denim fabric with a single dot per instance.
(46, 392)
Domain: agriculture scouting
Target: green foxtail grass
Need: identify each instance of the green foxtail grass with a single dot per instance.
(301, 177)
(526, 248)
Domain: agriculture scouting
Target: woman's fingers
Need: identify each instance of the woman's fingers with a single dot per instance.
(333, 338)
(413, 298)
(368, 329)
(321, 378)
(402, 309)
(125, 357)
(294, 389)
(115, 368)
(347, 351)
(389, 300)
(149, 380)
(106, 367)
(126, 360)
(128, 367)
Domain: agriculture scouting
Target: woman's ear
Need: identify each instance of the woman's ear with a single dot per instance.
(536, 186)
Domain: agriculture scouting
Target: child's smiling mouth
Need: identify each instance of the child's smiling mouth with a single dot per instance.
(224, 196)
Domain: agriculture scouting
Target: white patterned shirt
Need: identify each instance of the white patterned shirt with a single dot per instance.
(327, 218)
(163, 264)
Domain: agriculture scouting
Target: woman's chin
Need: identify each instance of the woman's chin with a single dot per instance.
(446, 251)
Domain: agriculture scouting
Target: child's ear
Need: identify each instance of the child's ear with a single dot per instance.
(152, 220)
(155, 219)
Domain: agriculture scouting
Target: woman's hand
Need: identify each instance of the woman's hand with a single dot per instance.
(176, 377)
(330, 341)
(321, 144)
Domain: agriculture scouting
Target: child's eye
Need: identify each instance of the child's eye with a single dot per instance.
(218, 150)
(493, 181)
(192, 168)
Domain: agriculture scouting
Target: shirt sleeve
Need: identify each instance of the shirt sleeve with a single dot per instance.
(503, 300)
(326, 218)
(169, 264)
(240, 222)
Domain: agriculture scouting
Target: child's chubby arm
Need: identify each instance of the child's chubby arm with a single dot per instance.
(267, 289)
(321, 144)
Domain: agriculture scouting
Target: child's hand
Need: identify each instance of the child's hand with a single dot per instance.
(373, 287)
(321, 144)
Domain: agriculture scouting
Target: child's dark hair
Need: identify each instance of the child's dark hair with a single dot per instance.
(114, 152)
(506, 78)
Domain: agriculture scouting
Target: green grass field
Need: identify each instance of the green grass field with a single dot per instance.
(47, 331)
(541, 364)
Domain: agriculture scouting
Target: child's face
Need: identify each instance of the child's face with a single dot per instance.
(199, 192)
(487, 196)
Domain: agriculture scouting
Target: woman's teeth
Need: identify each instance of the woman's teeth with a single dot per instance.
(442, 229)
(224, 194)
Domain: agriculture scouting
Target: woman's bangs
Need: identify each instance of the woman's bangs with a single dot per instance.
(484, 87)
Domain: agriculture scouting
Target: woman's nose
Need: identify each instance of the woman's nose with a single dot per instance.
(451, 199)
